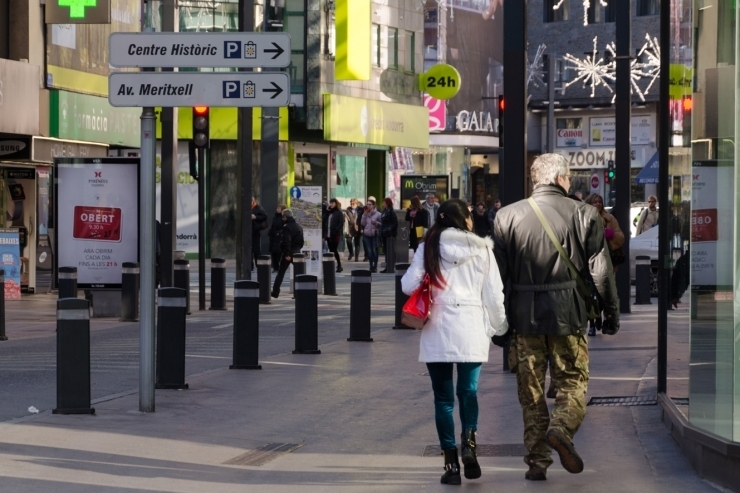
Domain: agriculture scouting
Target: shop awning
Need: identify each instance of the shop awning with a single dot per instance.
(649, 173)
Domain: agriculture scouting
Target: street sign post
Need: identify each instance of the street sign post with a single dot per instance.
(233, 49)
(234, 89)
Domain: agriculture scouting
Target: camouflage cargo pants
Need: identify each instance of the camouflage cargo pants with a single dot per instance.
(569, 356)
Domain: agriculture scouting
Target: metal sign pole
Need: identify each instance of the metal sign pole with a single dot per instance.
(147, 259)
(201, 229)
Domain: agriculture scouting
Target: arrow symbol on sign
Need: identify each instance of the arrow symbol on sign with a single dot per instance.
(278, 51)
(277, 90)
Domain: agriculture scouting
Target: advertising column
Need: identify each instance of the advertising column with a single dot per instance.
(10, 262)
(97, 218)
(305, 202)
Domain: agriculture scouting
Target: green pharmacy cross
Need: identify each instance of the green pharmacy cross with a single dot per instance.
(77, 7)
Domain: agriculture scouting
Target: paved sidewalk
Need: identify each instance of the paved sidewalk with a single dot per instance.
(362, 414)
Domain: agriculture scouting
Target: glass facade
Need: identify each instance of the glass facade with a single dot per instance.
(703, 366)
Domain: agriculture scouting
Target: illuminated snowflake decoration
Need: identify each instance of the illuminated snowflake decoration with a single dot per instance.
(536, 69)
(586, 6)
(636, 73)
(592, 70)
(651, 68)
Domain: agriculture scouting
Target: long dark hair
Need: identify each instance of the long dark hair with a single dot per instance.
(452, 214)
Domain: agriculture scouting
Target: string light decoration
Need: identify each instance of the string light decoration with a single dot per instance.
(536, 69)
(591, 71)
(586, 6)
(651, 68)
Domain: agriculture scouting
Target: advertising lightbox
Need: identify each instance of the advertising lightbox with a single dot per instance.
(96, 204)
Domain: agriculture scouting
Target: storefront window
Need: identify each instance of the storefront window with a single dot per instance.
(348, 179)
(705, 216)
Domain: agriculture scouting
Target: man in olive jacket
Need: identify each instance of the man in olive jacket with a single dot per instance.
(546, 311)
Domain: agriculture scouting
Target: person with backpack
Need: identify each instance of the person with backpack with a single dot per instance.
(648, 216)
(276, 237)
(259, 223)
(291, 243)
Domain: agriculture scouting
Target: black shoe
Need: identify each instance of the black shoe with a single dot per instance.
(339, 269)
(452, 468)
(469, 457)
(592, 331)
(569, 458)
(275, 294)
(373, 269)
(536, 474)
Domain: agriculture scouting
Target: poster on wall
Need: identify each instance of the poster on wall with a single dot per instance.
(422, 185)
(712, 224)
(603, 131)
(21, 215)
(44, 255)
(187, 200)
(10, 262)
(96, 204)
(305, 202)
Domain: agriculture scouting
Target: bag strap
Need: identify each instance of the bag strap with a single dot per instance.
(579, 280)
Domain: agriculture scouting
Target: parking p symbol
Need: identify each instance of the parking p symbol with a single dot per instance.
(231, 89)
(232, 49)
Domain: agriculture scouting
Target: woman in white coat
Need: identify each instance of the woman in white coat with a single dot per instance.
(467, 310)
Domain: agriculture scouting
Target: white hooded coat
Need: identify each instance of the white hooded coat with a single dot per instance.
(470, 309)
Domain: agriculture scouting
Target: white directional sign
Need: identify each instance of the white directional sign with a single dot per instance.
(239, 89)
(233, 49)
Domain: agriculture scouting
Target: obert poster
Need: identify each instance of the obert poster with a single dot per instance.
(97, 217)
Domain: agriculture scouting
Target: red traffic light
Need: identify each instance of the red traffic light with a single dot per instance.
(200, 110)
(501, 103)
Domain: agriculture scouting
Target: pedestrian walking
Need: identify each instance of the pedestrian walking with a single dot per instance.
(388, 232)
(432, 206)
(276, 237)
(648, 217)
(480, 220)
(292, 242)
(360, 210)
(335, 229)
(614, 240)
(370, 226)
(352, 231)
(492, 213)
(259, 223)
(418, 219)
(468, 300)
(543, 247)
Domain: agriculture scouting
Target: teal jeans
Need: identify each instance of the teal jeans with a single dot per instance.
(444, 398)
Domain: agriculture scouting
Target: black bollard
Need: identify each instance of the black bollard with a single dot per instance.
(299, 268)
(130, 281)
(401, 297)
(306, 315)
(330, 280)
(246, 326)
(73, 357)
(67, 282)
(642, 280)
(264, 269)
(359, 306)
(181, 279)
(3, 337)
(218, 284)
(171, 309)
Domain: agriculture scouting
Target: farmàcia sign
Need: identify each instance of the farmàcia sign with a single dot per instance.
(77, 12)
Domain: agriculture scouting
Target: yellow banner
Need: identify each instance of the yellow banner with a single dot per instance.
(365, 121)
(223, 123)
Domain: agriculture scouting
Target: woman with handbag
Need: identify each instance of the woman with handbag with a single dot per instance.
(418, 219)
(614, 240)
(465, 292)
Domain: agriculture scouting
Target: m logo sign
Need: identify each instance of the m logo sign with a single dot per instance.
(408, 184)
(77, 12)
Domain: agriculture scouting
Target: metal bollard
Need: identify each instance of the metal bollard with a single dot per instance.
(359, 306)
(401, 297)
(67, 282)
(299, 268)
(246, 326)
(181, 279)
(218, 284)
(73, 357)
(306, 315)
(171, 309)
(130, 282)
(330, 280)
(3, 337)
(264, 269)
(642, 280)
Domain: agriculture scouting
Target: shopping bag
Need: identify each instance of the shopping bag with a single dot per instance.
(416, 310)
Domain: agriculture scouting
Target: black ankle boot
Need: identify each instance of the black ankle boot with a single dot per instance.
(469, 457)
(452, 467)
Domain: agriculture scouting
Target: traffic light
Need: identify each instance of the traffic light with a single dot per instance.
(501, 107)
(610, 171)
(201, 133)
(606, 177)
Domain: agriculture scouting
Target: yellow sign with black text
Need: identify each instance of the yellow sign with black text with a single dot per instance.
(366, 121)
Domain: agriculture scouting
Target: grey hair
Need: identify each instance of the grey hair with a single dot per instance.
(546, 169)
(287, 213)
